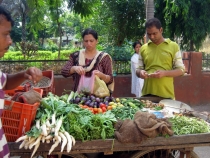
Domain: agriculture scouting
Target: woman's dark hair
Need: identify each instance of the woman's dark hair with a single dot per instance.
(5, 14)
(135, 43)
(90, 31)
(153, 22)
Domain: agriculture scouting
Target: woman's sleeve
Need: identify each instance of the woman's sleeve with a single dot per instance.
(65, 71)
(107, 67)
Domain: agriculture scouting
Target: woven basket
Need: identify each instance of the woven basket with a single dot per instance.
(44, 82)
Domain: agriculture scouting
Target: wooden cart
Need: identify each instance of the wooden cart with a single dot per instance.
(184, 144)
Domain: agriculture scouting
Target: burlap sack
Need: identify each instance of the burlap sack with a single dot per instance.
(127, 132)
(29, 97)
(150, 125)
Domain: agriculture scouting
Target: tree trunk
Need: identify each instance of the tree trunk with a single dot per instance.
(24, 27)
(60, 38)
(24, 33)
(191, 45)
(150, 9)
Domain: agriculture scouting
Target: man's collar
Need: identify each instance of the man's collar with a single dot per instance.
(167, 40)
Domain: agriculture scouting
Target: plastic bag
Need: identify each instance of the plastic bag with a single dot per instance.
(93, 85)
(100, 88)
(86, 84)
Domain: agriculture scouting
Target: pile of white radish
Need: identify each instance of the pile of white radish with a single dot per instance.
(48, 132)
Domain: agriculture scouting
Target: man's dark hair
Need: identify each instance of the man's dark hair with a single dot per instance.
(135, 43)
(90, 31)
(153, 22)
(5, 14)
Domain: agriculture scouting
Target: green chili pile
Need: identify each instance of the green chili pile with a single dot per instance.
(182, 125)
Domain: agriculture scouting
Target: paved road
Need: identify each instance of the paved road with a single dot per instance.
(202, 152)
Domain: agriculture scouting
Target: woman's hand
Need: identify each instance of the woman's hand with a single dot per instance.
(98, 73)
(102, 76)
(79, 69)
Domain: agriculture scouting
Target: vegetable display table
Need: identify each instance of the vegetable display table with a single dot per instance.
(183, 143)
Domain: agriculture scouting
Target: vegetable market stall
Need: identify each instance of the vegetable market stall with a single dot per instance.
(183, 143)
(95, 130)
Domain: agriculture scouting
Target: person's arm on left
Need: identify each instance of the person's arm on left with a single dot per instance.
(140, 72)
(14, 80)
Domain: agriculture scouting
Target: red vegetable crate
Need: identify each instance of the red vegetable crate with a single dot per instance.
(17, 117)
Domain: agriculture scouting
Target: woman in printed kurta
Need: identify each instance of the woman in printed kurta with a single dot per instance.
(87, 60)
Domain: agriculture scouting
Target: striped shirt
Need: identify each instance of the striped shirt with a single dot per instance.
(4, 149)
(104, 66)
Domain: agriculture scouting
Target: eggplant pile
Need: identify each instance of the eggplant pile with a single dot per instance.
(90, 100)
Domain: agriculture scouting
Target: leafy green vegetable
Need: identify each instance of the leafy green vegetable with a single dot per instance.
(125, 112)
(157, 108)
(188, 125)
(34, 132)
(84, 125)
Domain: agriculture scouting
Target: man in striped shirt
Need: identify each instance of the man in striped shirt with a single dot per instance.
(10, 81)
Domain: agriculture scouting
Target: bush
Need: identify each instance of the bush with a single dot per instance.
(17, 55)
(119, 53)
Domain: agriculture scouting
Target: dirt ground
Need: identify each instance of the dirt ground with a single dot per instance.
(201, 108)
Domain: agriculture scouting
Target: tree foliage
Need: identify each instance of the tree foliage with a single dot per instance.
(116, 22)
(187, 21)
(18, 9)
(82, 7)
(124, 19)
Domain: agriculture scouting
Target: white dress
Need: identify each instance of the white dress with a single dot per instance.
(136, 83)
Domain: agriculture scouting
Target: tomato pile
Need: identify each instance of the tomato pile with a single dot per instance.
(95, 110)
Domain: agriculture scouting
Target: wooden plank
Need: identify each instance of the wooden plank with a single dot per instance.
(110, 145)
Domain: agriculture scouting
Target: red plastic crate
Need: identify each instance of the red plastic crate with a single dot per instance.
(18, 120)
(46, 89)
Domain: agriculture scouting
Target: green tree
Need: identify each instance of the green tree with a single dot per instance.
(16, 31)
(18, 8)
(186, 21)
(82, 7)
(124, 18)
(38, 14)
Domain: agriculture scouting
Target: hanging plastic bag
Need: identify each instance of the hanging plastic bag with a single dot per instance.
(100, 88)
(86, 84)
(93, 85)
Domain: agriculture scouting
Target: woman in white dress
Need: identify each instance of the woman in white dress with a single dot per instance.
(137, 83)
